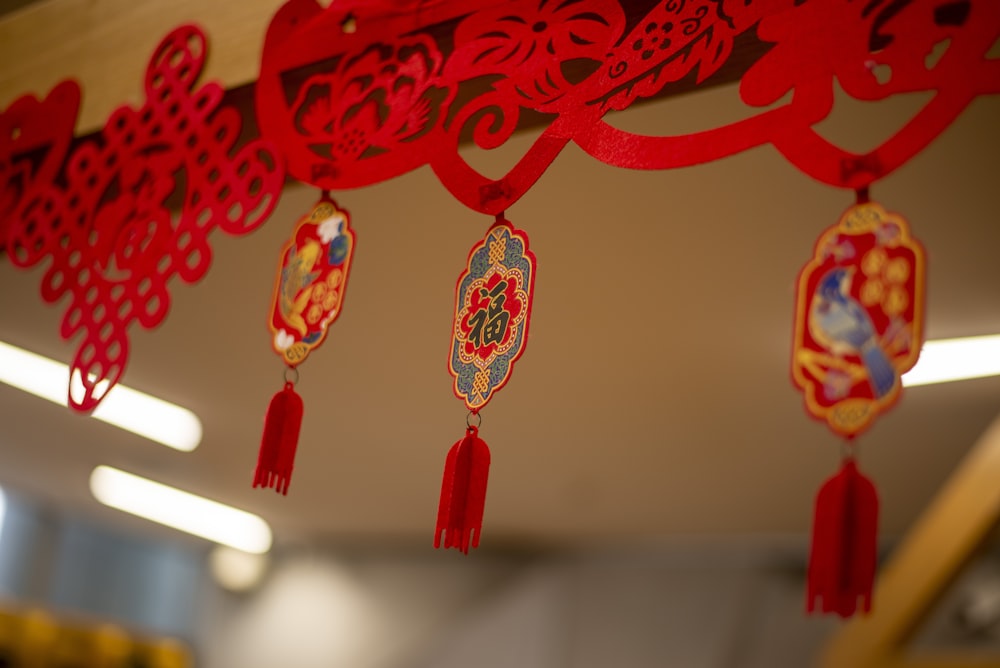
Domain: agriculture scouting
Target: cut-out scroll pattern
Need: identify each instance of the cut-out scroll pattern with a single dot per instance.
(135, 207)
(35, 136)
(355, 107)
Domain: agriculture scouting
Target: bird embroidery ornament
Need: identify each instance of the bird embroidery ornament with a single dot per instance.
(858, 327)
(308, 293)
(492, 308)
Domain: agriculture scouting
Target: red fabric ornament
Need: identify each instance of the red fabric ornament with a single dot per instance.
(463, 493)
(844, 551)
(112, 231)
(493, 298)
(308, 294)
(281, 436)
(395, 93)
(858, 327)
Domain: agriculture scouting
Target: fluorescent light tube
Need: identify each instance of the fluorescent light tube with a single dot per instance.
(946, 360)
(181, 510)
(129, 409)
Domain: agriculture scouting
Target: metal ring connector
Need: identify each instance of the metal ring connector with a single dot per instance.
(847, 450)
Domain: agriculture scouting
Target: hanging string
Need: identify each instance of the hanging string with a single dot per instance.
(847, 448)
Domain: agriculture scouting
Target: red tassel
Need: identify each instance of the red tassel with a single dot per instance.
(844, 544)
(463, 493)
(281, 436)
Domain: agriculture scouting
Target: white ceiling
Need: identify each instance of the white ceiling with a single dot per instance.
(654, 398)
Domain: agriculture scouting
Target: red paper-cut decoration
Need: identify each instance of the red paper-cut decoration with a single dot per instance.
(34, 138)
(463, 493)
(388, 96)
(844, 551)
(280, 438)
(110, 232)
(859, 318)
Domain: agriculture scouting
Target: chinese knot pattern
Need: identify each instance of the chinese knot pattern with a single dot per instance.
(312, 278)
(111, 229)
(859, 318)
(355, 107)
(492, 308)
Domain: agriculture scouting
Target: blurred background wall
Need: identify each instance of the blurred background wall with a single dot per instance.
(707, 604)
(699, 606)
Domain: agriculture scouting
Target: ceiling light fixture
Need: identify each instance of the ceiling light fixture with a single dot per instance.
(129, 409)
(181, 510)
(946, 360)
(236, 570)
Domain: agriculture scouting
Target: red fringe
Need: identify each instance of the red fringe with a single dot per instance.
(281, 437)
(844, 551)
(463, 493)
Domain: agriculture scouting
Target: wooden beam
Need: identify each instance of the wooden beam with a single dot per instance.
(931, 556)
(105, 45)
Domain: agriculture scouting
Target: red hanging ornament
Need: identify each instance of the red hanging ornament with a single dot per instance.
(844, 551)
(492, 309)
(859, 318)
(858, 328)
(308, 294)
